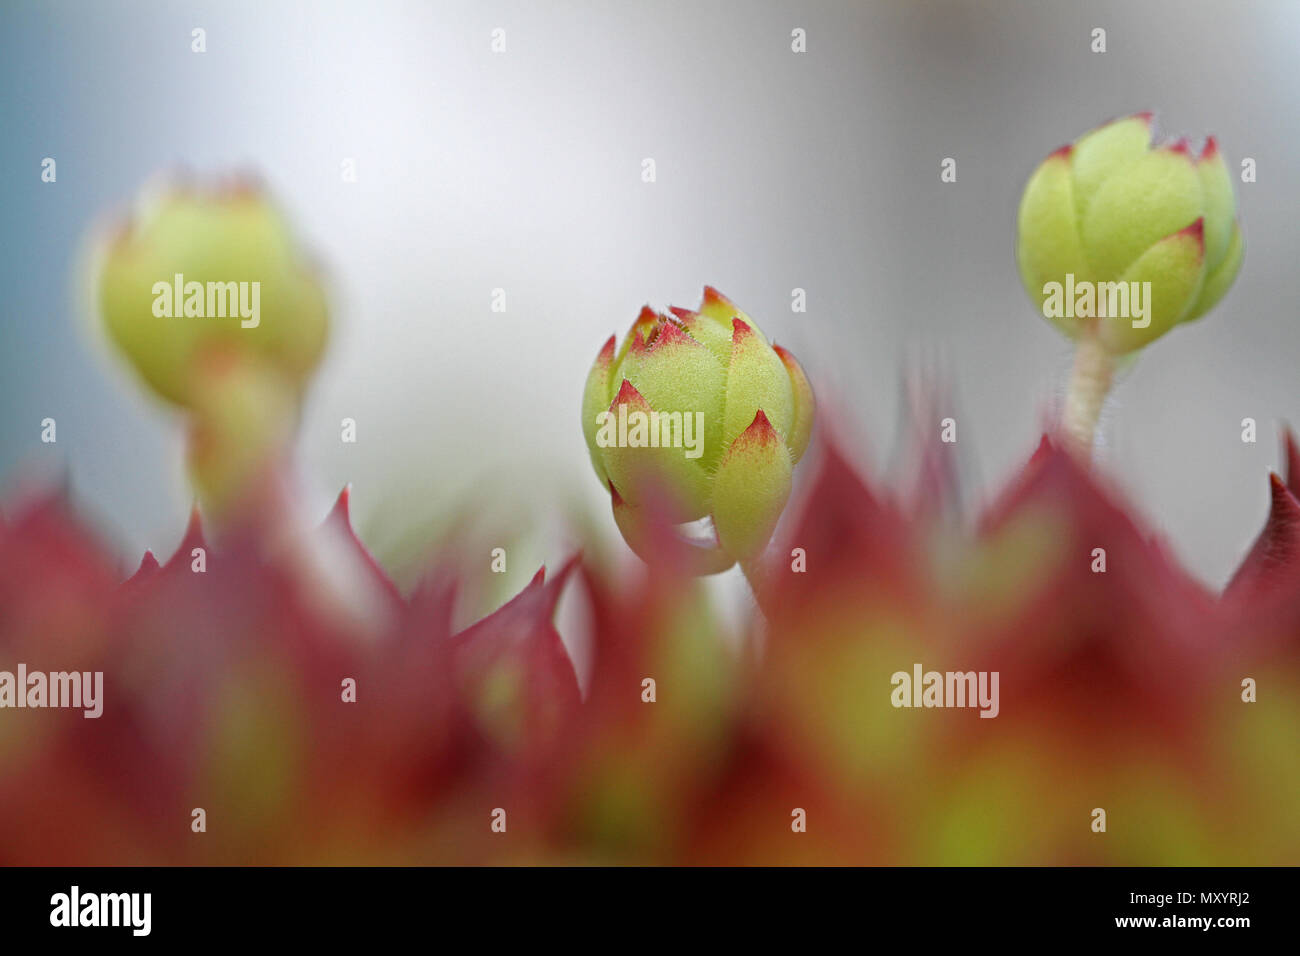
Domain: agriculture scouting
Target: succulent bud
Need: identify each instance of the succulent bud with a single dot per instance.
(698, 414)
(1114, 209)
(210, 274)
(1118, 242)
(215, 307)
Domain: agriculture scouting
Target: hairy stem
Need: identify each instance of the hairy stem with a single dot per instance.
(1090, 381)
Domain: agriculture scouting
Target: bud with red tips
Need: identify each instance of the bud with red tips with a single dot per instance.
(1119, 241)
(698, 415)
(1113, 208)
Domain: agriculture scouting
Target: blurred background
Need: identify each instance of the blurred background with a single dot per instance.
(522, 171)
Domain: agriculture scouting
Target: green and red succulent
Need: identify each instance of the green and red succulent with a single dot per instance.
(225, 685)
(756, 407)
(222, 691)
(1111, 211)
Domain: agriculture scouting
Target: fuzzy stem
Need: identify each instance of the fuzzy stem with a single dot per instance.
(1090, 381)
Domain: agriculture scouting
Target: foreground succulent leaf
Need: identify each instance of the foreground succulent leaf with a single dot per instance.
(225, 693)
(514, 668)
(1273, 562)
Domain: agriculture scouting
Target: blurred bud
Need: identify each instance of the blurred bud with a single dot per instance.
(216, 308)
(1111, 208)
(210, 274)
(699, 414)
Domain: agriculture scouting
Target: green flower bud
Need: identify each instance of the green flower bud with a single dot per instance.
(210, 276)
(215, 307)
(699, 414)
(1113, 209)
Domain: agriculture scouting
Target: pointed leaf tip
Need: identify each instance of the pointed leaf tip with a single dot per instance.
(148, 566)
(751, 488)
(805, 404)
(342, 505)
(628, 395)
(1273, 561)
(1196, 230)
(670, 333)
(606, 354)
(195, 525)
(562, 575)
(1281, 498)
(760, 429)
(1292, 454)
(1046, 448)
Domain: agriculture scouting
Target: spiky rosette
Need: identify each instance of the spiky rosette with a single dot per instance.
(1121, 688)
